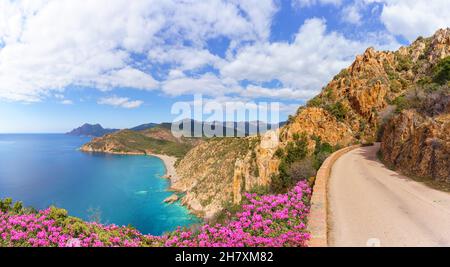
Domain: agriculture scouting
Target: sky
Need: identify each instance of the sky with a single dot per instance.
(123, 63)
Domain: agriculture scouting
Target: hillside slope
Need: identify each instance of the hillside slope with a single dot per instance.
(157, 140)
(352, 108)
(416, 140)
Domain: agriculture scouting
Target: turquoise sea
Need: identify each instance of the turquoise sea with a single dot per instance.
(47, 169)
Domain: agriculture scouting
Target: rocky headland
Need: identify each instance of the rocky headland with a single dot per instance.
(399, 98)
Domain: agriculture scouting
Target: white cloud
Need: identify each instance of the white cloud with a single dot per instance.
(305, 65)
(208, 84)
(415, 18)
(125, 77)
(253, 91)
(123, 102)
(185, 58)
(351, 14)
(67, 102)
(49, 45)
(260, 15)
(308, 3)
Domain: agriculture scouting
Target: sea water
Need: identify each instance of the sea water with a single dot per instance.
(48, 169)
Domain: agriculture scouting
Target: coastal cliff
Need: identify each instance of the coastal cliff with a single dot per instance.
(157, 140)
(207, 171)
(353, 108)
(400, 98)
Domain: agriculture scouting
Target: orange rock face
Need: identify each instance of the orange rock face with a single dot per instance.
(418, 145)
(318, 122)
(349, 110)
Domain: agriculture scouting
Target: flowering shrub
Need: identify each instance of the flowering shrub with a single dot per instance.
(53, 228)
(265, 221)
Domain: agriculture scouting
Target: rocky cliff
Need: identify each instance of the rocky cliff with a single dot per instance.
(352, 108)
(416, 141)
(206, 173)
(418, 145)
(398, 97)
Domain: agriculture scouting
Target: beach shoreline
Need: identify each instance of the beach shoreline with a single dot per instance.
(169, 163)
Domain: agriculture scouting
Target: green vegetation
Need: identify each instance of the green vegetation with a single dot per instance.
(316, 102)
(321, 152)
(401, 103)
(128, 141)
(296, 164)
(293, 152)
(428, 93)
(338, 110)
(441, 72)
(7, 205)
(229, 211)
(404, 63)
(260, 190)
(342, 74)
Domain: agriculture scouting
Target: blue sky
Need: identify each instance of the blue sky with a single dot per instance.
(121, 63)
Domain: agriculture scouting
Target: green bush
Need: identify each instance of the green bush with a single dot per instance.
(404, 63)
(401, 103)
(293, 152)
(321, 152)
(228, 211)
(441, 72)
(296, 164)
(338, 110)
(5, 204)
(344, 73)
(57, 214)
(315, 102)
(17, 207)
(302, 170)
(260, 190)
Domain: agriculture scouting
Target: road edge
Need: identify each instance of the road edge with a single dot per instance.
(318, 215)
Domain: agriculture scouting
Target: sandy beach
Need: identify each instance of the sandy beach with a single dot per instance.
(169, 162)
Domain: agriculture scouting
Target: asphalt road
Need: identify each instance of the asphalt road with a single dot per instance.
(370, 205)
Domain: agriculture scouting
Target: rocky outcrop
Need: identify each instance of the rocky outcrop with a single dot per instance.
(221, 169)
(171, 199)
(418, 145)
(257, 167)
(318, 122)
(153, 141)
(206, 174)
(350, 109)
(417, 141)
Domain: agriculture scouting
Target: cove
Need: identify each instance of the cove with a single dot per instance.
(47, 169)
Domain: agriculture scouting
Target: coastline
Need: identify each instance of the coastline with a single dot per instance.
(169, 163)
(170, 173)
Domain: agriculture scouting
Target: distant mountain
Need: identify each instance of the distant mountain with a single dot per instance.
(227, 128)
(144, 127)
(156, 140)
(93, 130)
